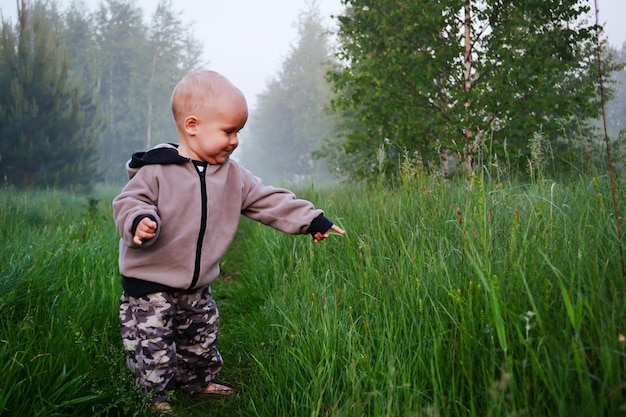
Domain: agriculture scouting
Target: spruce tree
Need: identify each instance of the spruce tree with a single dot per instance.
(46, 119)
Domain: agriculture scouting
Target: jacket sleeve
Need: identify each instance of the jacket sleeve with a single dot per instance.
(277, 207)
(137, 200)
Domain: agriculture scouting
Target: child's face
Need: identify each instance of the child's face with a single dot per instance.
(214, 131)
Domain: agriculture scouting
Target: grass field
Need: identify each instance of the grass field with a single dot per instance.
(469, 299)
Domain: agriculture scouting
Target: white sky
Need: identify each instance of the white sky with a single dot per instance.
(247, 40)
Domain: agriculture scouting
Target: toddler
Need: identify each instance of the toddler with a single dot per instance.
(177, 215)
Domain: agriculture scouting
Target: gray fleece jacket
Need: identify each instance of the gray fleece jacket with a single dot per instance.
(196, 207)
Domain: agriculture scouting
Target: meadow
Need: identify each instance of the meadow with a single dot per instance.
(470, 298)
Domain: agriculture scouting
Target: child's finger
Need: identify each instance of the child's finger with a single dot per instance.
(337, 229)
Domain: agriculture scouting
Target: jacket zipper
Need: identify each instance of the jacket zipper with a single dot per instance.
(201, 170)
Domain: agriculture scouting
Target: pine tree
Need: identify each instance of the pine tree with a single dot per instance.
(140, 64)
(121, 39)
(291, 120)
(46, 119)
(173, 53)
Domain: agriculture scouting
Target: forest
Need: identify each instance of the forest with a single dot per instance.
(82, 90)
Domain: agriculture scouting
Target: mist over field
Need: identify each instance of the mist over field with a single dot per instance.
(316, 118)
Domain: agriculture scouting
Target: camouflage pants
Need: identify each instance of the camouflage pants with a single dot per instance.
(171, 341)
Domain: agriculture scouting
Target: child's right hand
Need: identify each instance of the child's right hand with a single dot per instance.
(321, 236)
(146, 229)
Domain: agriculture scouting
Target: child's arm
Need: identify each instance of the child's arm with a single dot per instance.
(319, 236)
(137, 204)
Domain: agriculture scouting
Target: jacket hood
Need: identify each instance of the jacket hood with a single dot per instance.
(161, 154)
(164, 154)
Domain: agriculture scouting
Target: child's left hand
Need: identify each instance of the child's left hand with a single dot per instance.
(321, 236)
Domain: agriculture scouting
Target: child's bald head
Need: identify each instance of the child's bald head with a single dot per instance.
(201, 91)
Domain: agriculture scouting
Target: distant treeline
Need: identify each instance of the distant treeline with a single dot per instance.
(405, 86)
(81, 90)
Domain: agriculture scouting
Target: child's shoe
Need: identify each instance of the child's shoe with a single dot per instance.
(214, 390)
(163, 407)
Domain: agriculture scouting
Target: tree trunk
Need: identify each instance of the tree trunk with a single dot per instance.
(149, 118)
(467, 87)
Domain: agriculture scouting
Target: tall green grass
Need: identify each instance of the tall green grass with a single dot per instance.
(58, 346)
(475, 298)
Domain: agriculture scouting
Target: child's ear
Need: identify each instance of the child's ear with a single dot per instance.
(191, 124)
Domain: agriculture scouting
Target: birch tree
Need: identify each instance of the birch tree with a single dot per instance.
(425, 77)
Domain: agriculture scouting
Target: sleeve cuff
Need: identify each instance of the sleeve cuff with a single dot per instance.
(320, 224)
